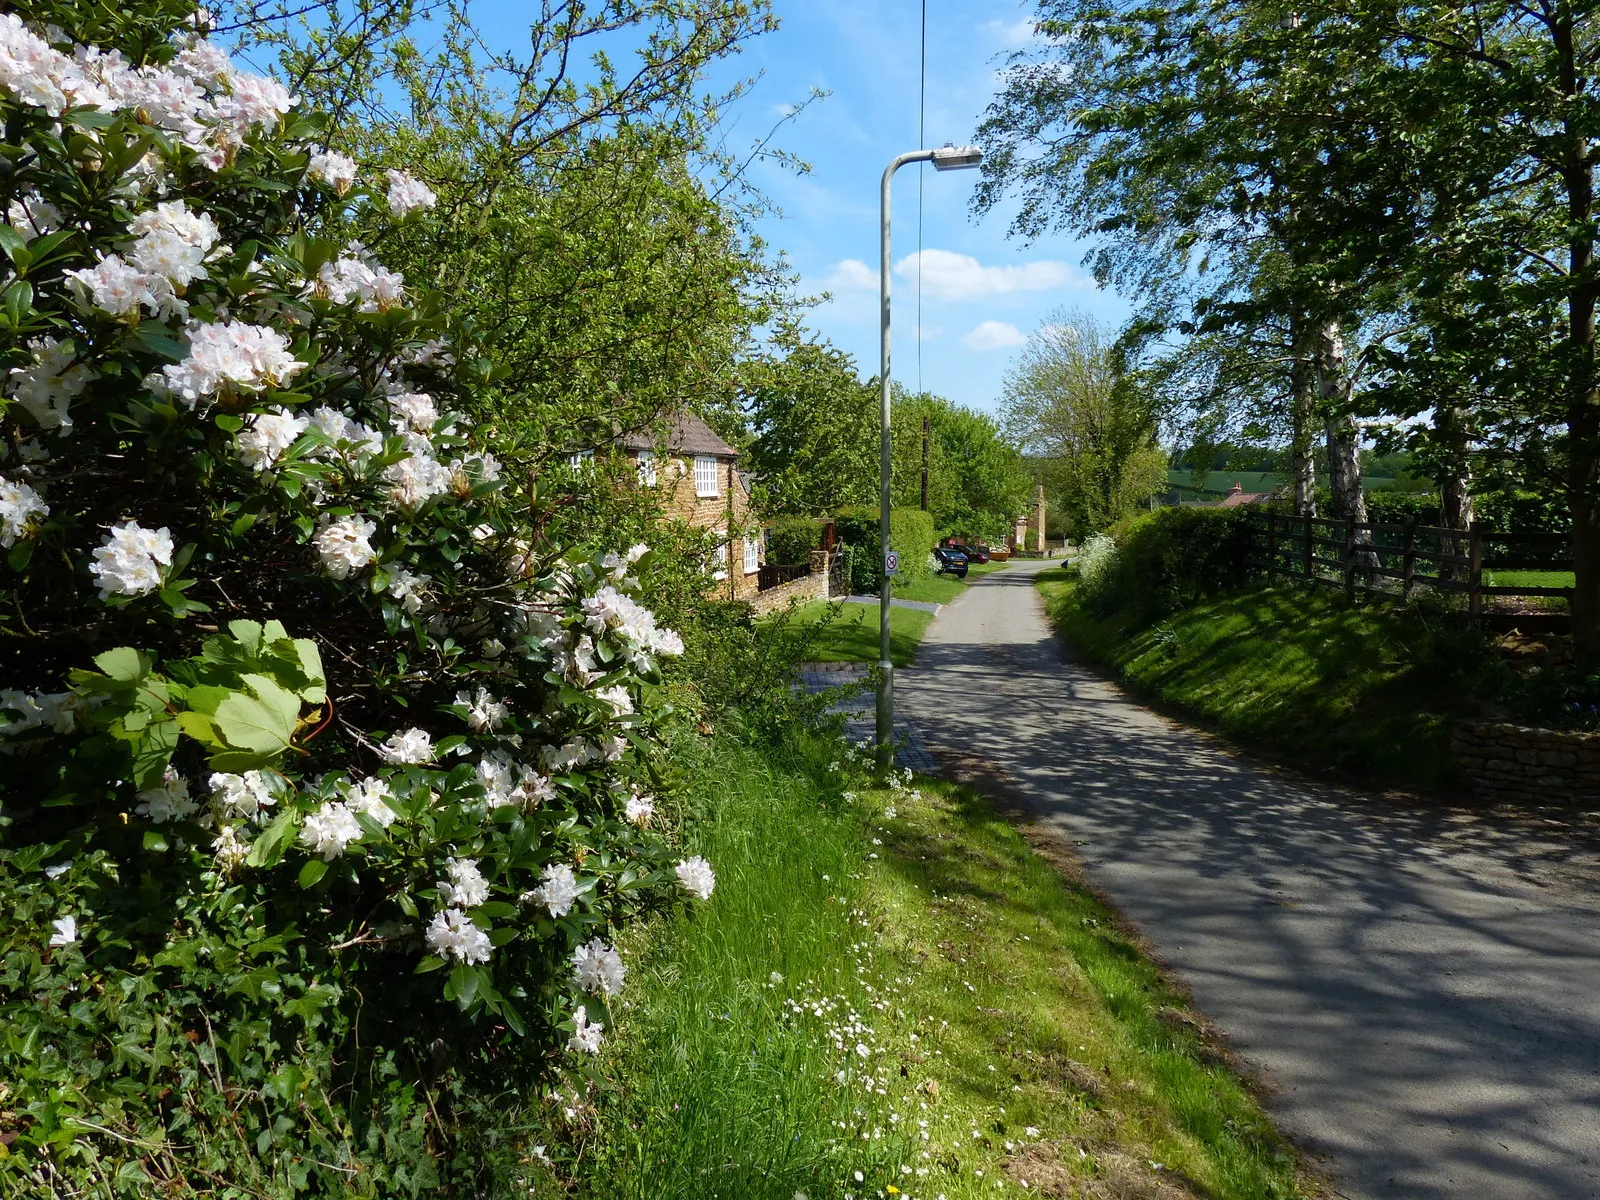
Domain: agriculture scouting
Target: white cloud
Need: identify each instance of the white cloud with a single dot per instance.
(994, 335)
(1010, 33)
(851, 275)
(950, 276)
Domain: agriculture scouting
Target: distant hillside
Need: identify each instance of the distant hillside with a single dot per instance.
(1217, 483)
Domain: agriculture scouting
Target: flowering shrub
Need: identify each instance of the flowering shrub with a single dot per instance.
(1095, 560)
(317, 778)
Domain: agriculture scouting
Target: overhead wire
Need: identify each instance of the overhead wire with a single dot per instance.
(922, 144)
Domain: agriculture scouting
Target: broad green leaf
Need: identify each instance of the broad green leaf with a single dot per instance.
(313, 871)
(269, 847)
(263, 722)
(124, 664)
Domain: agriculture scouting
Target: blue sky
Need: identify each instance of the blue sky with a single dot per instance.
(983, 293)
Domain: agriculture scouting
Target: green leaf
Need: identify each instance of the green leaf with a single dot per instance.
(154, 840)
(124, 664)
(160, 344)
(18, 300)
(428, 964)
(312, 872)
(14, 244)
(19, 555)
(463, 985)
(506, 933)
(229, 423)
(262, 722)
(269, 847)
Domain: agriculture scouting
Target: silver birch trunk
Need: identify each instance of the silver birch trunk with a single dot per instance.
(1302, 416)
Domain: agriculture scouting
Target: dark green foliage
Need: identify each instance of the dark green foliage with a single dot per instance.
(1170, 558)
(910, 532)
(792, 539)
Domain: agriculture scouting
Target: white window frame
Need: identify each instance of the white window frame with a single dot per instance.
(719, 557)
(752, 551)
(707, 483)
(582, 460)
(647, 468)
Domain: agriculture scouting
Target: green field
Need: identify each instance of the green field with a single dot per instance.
(941, 589)
(1218, 482)
(891, 994)
(1529, 578)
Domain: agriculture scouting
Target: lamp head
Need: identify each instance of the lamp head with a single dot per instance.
(956, 158)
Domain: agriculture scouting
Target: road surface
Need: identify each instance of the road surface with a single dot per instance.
(1418, 986)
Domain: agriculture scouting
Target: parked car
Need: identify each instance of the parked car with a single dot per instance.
(951, 562)
(975, 554)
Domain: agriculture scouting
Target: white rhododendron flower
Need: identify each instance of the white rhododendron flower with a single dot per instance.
(353, 279)
(234, 355)
(254, 100)
(19, 505)
(415, 410)
(121, 289)
(451, 934)
(410, 746)
(329, 830)
(334, 169)
(586, 1034)
(639, 809)
(266, 435)
(416, 480)
(494, 777)
(617, 697)
(66, 931)
(533, 789)
(244, 797)
(48, 385)
(169, 802)
(343, 431)
(559, 891)
(229, 848)
(408, 194)
(129, 562)
(57, 710)
(33, 216)
(466, 887)
(174, 242)
(371, 797)
(696, 877)
(343, 547)
(409, 587)
(598, 968)
(484, 712)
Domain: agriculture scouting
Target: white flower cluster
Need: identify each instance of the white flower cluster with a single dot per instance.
(484, 713)
(598, 968)
(559, 891)
(696, 877)
(169, 802)
(170, 252)
(452, 934)
(586, 1034)
(244, 797)
(57, 711)
(266, 435)
(47, 386)
(466, 887)
(230, 355)
(410, 746)
(336, 170)
(616, 611)
(330, 829)
(201, 97)
(344, 548)
(408, 195)
(129, 562)
(354, 277)
(19, 505)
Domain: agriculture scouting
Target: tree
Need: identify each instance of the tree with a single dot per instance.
(977, 483)
(814, 427)
(1069, 401)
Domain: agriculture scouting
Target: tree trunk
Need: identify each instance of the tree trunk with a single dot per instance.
(1339, 423)
(1583, 398)
(1455, 482)
(1302, 416)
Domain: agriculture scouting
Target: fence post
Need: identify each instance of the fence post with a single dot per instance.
(1305, 549)
(1475, 569)
(1349, 559)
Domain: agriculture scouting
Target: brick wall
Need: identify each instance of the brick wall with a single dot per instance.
(728, 511)
(1523, 765)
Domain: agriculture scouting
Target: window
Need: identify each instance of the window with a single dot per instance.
(581, 460)
(719, 557)
(647, 468)
(752, 551)
(705, 476)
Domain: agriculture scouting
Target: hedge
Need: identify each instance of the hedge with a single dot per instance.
(910, 532)
(1172, 557)
(792, 539)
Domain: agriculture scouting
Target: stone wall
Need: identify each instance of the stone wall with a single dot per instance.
(1521, 765)
(797, 591)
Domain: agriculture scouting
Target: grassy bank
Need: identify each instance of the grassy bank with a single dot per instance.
(891, 994)
(1368, 689)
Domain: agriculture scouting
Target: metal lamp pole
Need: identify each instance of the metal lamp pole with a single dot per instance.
(946, 158)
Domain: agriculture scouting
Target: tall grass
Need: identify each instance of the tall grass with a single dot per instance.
(722, 1091)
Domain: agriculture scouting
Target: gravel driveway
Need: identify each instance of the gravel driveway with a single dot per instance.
(1417, 986)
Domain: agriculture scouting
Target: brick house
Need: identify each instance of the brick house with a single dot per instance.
(702, 486)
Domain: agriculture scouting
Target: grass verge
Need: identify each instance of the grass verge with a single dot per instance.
(1367, 689)
(851, 634)
(892, 994)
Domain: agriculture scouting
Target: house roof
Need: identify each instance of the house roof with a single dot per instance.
(687, 434)
(1237, 496)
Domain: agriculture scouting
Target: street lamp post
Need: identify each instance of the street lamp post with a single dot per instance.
(946, 158)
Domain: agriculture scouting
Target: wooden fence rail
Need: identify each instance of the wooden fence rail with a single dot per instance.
(1398, 559)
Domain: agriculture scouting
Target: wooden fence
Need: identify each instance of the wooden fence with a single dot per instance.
(1398, 559)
